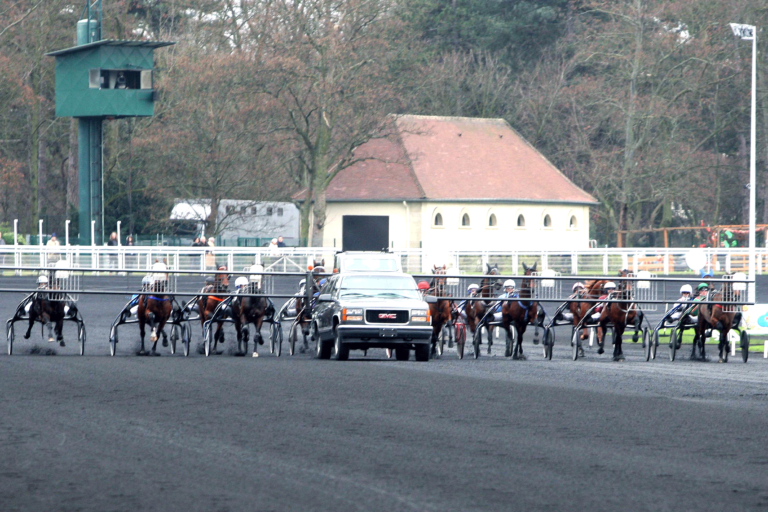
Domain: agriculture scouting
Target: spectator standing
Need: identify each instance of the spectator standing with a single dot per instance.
(196, 243)
(130, 259)
(280, 242)
(210, 258)
(112, 242)
(2, 242)
(53, 257)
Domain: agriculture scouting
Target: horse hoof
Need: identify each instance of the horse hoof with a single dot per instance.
(600, 351)
(302, 350)
(61, 343)
(261, 341)
(619, 358)
(50, 339)
(535, 341)
(450, 343)
(521, 357)
(581, 352)
(489, 350)
(155, 353)
(165, 343)
(255, 354)
(141, 353)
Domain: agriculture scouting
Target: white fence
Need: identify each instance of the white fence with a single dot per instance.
(577, 262)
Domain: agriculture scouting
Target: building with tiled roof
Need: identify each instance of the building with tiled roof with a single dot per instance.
(455, 182)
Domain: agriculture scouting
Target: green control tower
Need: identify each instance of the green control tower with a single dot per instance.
(98, 79)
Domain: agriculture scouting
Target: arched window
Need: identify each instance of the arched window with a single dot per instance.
(520, 221)
(438, 219)
(574, 223)
(547, 221)
(492, 222)
(465, 220)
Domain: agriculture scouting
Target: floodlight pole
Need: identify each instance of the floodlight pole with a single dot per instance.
(749, 32)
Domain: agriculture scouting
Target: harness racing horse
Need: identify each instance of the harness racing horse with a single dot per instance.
(303, 313)
(620, 314)
(440, 311)
(517, 313)
(207, 304)
(50, 313)
(155, 309)
(714, 316)
(592, 290)
(476, 309)
(250, 310)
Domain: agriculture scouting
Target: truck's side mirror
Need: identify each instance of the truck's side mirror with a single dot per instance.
(431, 299)
(324, 297)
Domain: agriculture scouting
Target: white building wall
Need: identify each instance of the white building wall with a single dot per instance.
(411, 226)
(397, 213)
(506, 235)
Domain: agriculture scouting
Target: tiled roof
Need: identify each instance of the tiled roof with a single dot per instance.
(453, 159)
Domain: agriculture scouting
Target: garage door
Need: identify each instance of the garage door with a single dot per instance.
(365, 232)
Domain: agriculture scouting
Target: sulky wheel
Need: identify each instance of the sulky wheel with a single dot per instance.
(276, 337)
(81, 337)
(461, 339)
(575, 341)
(744, 342)
(673, 344)
(208, 340)
(441, 339)
(293, 336)
(549, 343)
(113, 342)
(647, 342)
(186, 334)
(654, 343)
(10, 334)
(175, 329)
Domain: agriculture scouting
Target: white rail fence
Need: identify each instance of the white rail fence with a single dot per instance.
(657, 261)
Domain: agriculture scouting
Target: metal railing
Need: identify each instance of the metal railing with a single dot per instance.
(658, 261)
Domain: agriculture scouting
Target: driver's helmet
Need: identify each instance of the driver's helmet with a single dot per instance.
(702, 286)
(686, 288)
(509, 283)
(147, 281)
(472, 288)
(423, 286)
(210, 280)
(42, 280)
(577, 286)
(322, 282)
(241, 282)
(610, 285)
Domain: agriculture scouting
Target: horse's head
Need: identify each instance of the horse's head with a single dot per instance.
(222, 279)
(527, 285)
(594, 287)
(438, 283)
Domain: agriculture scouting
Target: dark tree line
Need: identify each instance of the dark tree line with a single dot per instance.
(643, 103)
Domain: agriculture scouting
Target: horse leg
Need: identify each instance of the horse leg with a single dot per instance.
(618, 355)
(32, 318)
(637, 323)
(257, 338)
(142, 322)
(723, 345)
(489, 329)
(59, 328)
(601, 331)
(160, 331)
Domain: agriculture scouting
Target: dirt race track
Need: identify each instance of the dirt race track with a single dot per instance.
(293, 433)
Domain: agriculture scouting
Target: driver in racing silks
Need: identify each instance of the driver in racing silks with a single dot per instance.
(608, 288)
(462, 306)
(494, 312)
(682, 303)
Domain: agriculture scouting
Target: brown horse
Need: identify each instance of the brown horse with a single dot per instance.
(440, 311)
(515, 314)
(250, 310)
(207, 304)
(714, 316)
(475, 309)
(620, 314)
(304, 314)
(49, 312)
(155, 309)
(592, 290)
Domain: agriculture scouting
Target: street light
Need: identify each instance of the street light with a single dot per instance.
(749, 33)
